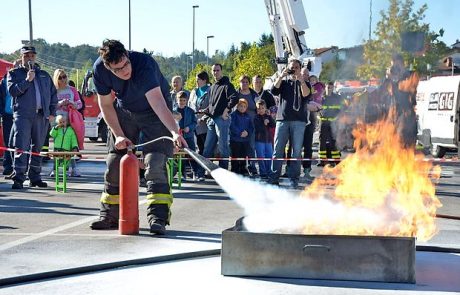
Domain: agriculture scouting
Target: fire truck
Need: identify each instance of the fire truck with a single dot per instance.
(95, 126)
(288, 24)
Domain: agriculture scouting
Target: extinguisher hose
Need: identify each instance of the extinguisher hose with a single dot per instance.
(56, 274)
(152, 141)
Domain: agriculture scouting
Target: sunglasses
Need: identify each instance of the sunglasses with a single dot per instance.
(62, 77)
(117, 70)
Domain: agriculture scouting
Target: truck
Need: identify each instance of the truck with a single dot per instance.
(95, 126)
(288, 23)
(438, 114)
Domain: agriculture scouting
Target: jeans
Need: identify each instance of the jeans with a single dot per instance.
(218, 133)
(264, 150)
(292, 131)
(7, 121)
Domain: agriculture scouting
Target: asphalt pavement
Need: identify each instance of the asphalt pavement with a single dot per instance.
(46, 234)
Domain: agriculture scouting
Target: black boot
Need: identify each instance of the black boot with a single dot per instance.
(158, 217)
(108, 218)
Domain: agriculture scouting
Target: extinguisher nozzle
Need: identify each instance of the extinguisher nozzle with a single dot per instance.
(202, 161)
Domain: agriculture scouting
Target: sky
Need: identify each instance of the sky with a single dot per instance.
(166, 27)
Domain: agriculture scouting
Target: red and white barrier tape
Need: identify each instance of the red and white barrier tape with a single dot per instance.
(85, 156)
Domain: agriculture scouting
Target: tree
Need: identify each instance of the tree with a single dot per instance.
(254, 61)
(399, 18)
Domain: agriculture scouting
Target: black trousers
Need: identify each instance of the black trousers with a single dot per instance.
(239, 150)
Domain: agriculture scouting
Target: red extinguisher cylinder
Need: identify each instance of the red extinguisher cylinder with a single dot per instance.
(129, 195)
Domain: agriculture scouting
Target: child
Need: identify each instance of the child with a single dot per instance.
(264, 147)
(187, 125)
(241, 128)
(65, 139)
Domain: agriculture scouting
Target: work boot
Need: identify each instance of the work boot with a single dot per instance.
(108, 218)
(17, 185)
(158, 217)
(158, 226)
(39, 183)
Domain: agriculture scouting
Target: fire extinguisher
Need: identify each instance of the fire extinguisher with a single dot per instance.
(129, 192)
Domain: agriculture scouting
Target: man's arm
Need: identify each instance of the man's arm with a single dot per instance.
(158, 104)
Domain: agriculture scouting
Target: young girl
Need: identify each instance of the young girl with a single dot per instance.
(65, 139)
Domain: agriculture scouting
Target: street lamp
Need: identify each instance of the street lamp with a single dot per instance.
(129, 22)
(186, 64)
(31, 37)
(207, 49)
(193, 41)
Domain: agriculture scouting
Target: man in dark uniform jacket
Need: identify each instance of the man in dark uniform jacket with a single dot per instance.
(141, 94)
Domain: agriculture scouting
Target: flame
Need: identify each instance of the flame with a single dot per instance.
(388, 185)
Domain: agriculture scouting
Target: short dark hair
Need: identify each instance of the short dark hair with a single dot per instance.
(112, 51)
(217, 64)
(182, 94)
(260, 103)
(203, 75)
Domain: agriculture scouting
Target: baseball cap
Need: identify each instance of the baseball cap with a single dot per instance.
(28, 48)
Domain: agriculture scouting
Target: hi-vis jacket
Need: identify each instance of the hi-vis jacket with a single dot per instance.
(332, 105)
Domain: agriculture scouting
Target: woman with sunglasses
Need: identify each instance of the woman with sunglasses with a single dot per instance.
(68, 97)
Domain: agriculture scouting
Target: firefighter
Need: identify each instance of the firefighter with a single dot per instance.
(141, 106)
(330, 110)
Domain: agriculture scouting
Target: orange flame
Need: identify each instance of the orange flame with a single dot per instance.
(384, 178)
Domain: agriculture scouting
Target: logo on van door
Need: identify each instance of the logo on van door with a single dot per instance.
(441, 101)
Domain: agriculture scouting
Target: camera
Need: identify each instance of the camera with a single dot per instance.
(290, 72)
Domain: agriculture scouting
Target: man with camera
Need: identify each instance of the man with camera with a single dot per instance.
(293, 92)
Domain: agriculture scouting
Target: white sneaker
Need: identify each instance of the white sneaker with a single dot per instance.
(52, 173)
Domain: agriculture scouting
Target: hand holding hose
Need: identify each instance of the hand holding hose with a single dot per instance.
(122, 143)
(179, 141)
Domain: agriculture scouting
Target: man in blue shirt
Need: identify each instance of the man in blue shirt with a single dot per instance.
(141, 94)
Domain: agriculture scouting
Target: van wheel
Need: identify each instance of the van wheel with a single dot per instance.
(437, 151)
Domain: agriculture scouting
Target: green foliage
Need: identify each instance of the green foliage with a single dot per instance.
(254, 61)
(191, 81)
(400, 18)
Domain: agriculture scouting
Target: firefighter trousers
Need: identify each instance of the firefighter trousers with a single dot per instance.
(156, 155)
(327, 146)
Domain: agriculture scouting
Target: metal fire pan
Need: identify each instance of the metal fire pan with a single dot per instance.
(356, 258)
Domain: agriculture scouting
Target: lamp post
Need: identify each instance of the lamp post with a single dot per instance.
(186, 64)
(193, 41)
(129, 22)
(31, 37)
(207, 49)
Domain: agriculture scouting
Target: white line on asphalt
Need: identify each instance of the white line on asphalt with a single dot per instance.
(51, 231)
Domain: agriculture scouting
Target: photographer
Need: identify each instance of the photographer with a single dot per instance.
(290, 119)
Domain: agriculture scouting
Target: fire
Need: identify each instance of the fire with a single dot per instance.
(389, 183)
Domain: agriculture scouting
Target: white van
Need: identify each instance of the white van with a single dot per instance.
(438, 113)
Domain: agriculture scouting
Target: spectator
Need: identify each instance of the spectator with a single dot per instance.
(177, 85)
(245, 92)
(199, 101)
(241, 129)
(331, 108)
(82, 99)
(187, 125)
(34, 107)
(265, 95)
(65, 140)
(141, 106)
(263, 139)
(313, 106)
(68, 97)
(290, 120)
(6, 112)
(222, 98)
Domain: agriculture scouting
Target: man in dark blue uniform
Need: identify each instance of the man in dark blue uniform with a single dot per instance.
(141, 106)
(34, 106)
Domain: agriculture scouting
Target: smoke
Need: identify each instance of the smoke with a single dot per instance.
(271, 209)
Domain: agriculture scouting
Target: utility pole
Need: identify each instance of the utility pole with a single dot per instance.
(207, 49)
(129, 20)
(31, 35)
(370, 20)
(193, 41)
